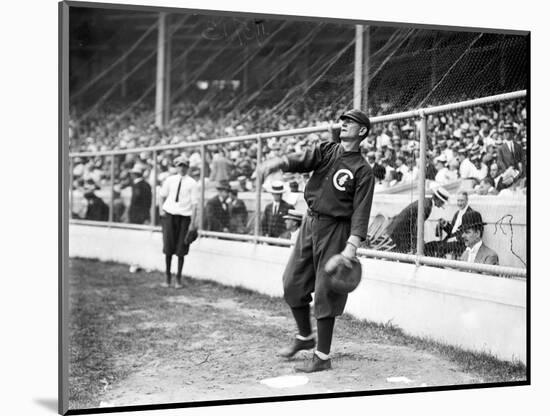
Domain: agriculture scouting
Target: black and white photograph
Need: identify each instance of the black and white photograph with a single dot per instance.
(271, 207)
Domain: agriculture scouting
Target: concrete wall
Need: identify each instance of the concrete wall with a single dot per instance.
(473, 311)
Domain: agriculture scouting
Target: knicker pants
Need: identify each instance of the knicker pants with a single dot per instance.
(319, 239)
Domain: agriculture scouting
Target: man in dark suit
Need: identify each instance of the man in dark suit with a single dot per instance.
(139, 211)
(377, 169)
(273, 223)
(97, 210)
(510, 157)
(217, 209)
(452, 243)
(403, 228)
(238, 214)
(472, 232)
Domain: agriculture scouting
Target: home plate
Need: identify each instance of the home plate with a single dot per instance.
(398, 380)
(285, 381)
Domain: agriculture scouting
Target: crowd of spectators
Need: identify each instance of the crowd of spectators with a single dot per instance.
(464, 146)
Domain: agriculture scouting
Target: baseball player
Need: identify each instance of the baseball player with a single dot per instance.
(180, 196)
(339, 198)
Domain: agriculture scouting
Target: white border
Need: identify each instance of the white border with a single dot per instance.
(29, 173)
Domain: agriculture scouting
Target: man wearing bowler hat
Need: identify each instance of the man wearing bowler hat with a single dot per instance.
(293, 220)
(472, 233)
(179, 199)
(217, 209)
(339, 198)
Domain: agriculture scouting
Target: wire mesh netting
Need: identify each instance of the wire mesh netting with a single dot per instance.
(233, 76)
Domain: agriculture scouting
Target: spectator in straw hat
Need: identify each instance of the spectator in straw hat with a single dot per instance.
(450, 244)
(472, 233)
(217, 209)
(179, 198)
(403, 227)
(142, 198)
(293, 221)
(273, 223)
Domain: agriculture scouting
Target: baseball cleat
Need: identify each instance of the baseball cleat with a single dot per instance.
(297, 345)
(314, 365)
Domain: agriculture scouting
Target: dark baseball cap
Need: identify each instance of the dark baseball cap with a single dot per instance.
(357, 116)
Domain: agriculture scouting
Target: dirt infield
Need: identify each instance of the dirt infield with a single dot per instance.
(133, 342)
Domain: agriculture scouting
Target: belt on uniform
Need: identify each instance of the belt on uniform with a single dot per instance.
(317, 215)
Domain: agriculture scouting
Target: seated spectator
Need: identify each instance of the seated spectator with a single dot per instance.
(481, 168)
(238, 214)
(272, 220)
(452, 243)
(142, 198)
(443, 175)
(293, 221)
(217, 209)
(472, 233)
(486, 187)
(97, 210)
(377, 169)
(78, 201)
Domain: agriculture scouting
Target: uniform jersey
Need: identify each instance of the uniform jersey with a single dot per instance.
(342, 184)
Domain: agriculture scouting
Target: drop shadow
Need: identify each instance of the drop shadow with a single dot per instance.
(50, 404)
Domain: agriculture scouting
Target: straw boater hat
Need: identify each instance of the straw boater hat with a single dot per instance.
(293, 215)
(277, 187)
(441, 159)
(181, 160)
(441, 194)
(137, 169)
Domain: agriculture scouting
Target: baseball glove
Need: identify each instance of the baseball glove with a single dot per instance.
(344, 274)
(191, 236)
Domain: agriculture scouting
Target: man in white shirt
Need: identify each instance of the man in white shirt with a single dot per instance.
(481, 168)
(467, 168)
(443, 175)
(472, 232)
(180, 196)
(452, 243)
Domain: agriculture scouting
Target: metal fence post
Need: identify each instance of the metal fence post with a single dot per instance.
(202, 187)
(258, 211)
(70, 187)
(112, 201)
(154, 186)
(421, 188)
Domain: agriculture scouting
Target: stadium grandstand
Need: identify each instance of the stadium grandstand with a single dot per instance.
(234, 76)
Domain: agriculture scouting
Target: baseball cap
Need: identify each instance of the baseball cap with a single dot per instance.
(357, 116)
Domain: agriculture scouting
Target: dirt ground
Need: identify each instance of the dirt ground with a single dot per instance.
(133, 342)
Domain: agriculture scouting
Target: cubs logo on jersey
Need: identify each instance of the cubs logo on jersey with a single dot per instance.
(340, 178)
